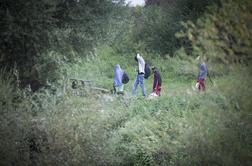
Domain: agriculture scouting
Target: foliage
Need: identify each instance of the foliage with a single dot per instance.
(38, 37)
(223, 33)
(19, 128)
(154, 26)
(84, 22)
(26, 28)
(182, 127)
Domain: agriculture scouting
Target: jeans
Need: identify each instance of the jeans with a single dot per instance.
(139, 79)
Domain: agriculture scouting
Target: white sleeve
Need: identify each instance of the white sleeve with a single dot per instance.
(141, 64)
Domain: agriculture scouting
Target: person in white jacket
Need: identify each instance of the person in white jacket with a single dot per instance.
(140, 75)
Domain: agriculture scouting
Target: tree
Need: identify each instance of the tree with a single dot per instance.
(25, 34)
(85, 21)
(223, 33)
(160, 20)
(152, 2)
(31, 30)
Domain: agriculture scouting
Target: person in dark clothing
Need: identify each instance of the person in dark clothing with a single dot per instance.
(157, 82)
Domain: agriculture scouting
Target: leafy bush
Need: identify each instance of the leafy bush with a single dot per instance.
(39, 36)
(182, 127)
(223, 33)
(152, 28)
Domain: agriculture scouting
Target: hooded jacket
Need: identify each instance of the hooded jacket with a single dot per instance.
(118, 76)
(202, 71)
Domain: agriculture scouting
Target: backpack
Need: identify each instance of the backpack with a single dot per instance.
(125, 78)
(147, 71)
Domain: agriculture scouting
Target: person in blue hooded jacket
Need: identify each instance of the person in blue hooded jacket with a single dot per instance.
(202, 74)
(118, 76)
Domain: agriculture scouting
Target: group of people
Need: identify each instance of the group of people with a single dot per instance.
(141, 72)
(119, 75)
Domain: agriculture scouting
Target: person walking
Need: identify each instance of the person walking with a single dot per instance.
(140, 75)
(118, 76)
(202, 74)
(157, 82)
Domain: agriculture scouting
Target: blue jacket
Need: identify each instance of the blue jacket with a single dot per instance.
(118, 76)
(202, 71)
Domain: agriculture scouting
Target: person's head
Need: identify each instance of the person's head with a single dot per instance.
(200, 59)
(136, 56)
(117, 66)
(154, 68)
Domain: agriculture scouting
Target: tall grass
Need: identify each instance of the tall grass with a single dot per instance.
(182, 127)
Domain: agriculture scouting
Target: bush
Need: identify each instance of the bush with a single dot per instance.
(182, 127)
(222, 33)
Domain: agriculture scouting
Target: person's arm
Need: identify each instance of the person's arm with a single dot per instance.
(141, 64)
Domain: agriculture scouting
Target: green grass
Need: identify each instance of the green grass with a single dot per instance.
(182, 127)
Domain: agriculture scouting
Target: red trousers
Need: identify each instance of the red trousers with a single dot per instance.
(157, 90)
(201, 84)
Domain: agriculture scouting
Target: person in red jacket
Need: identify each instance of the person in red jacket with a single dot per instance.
(157, 82)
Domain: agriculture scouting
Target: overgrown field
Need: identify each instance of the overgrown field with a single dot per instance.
(182, 127)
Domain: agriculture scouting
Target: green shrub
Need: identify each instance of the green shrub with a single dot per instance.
(182, 127)
(223, 33)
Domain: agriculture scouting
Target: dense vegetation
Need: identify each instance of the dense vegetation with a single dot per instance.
(42, 35)
(44, 43)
